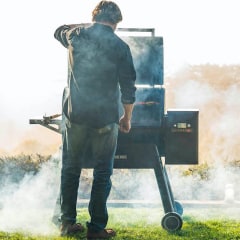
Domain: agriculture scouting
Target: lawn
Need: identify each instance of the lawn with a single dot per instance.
(145, 223)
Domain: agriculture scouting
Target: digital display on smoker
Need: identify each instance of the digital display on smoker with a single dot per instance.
(181, 125)
(147, 55)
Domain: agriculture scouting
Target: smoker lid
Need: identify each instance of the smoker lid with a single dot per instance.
(147, 55)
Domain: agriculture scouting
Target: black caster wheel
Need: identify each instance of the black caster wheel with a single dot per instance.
(178, 208)
(172, 222)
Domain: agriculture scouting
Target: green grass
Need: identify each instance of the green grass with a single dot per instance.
(145, 223)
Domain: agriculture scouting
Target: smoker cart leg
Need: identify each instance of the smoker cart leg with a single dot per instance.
(177, 205)
(172, 220)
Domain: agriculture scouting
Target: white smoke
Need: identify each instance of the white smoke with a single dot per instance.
(210, 187)
(215, 93)
(218, 103)
(28, 206)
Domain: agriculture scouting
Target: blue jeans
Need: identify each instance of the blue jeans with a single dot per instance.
(84, 146)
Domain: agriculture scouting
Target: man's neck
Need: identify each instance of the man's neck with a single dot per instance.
(113, 26)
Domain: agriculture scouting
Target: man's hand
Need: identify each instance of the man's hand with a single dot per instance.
(124, 124)
(125, 120)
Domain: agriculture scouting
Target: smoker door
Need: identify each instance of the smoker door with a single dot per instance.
(149, 107)
(181, 144)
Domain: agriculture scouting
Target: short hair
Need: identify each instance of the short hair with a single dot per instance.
(107, 11)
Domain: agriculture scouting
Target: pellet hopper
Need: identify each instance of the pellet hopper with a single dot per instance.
(158, 137)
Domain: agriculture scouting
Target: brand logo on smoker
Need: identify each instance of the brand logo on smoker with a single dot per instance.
(121, 157)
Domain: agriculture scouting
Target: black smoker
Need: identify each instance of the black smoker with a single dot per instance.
(156, 138)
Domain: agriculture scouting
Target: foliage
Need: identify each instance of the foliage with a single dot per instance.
(201, 170)
(235, 164)
(13, 168)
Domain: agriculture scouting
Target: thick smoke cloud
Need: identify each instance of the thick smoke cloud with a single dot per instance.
(214, 90)
(27, 206)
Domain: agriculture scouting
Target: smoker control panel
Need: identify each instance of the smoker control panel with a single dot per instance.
(181, 136)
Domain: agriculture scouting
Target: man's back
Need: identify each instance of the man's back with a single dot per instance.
(98, 61)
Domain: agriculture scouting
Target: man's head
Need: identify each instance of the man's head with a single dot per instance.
(107, 12)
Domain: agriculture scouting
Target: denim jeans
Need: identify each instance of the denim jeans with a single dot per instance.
(83, 146)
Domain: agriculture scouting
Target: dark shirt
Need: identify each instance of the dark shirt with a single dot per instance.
(100, 73)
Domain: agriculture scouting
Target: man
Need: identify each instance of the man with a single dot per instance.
(100, 64)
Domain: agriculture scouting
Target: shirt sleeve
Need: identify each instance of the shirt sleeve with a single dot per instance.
(65, 33)
(127, 78)
(61, 35)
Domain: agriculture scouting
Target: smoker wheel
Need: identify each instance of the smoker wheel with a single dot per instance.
(178, 208)
(172, 222)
